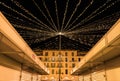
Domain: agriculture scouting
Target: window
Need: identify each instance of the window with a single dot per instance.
(73, 65)
(59, 59)
(53, 59)
(52, 65)
(66, 59)
(73, 60)
(66, 53)
(40, 58)
(66, 71)
(39, 54)
(66, 65)
(60, 65)
(53, 54)
(47, 64)
(46, 53)
(58, 72)
(79, 59)
(46, 59)
(72, 53)
(52, 71)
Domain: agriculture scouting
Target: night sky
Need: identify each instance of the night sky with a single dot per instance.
(81, 22)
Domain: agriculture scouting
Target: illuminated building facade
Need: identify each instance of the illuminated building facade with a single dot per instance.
(60, 63)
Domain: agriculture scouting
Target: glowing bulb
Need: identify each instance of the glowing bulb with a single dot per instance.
(60, 33)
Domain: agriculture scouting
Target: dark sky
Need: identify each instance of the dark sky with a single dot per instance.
(81, 22)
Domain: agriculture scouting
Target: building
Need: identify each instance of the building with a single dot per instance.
(59, 63)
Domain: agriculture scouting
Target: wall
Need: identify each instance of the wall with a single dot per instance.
(52, 58)
(10, 70)
(110, 71)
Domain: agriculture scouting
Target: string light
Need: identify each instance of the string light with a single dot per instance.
(24, 16)
(66, 9)
(22, 8)
(18, 12)
(56, 9)
(52, 24)
(90, 16)
(34, 30)
(92, 26)
(80, 14)
(49, 15)
(12, 16)
(19, 19)
(57, 15)
(31, 29)
(73, 13)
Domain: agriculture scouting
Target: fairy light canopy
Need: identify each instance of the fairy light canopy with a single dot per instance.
(60, 33)
(80, 23)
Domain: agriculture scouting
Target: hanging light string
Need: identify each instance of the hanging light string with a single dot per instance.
(80, 15)
(29, 13)
(56, 9)
(28, 28)
(68, 28)
(22, 8)
(64, 17)
(44, 15)
(92, 16)
(25, 16)
(30, 35)
(9, 15)
(77, 5)
(87, 26)
(18, 13)
(18, 19)
(100, 11)
(35, 36)
(52, 24)
(49, 15)
(24, 27)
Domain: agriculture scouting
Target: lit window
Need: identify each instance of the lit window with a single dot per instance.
(66, 53)
(47, 64)
(52, 65)
(53, 59)
(39, 54)
(46, 59)
(46, 53)
(66, 65)
(53, 54)
(73, 65)
(52, 71)
(66, 59)
(60, 65)
(72, 53)
(59, 72)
